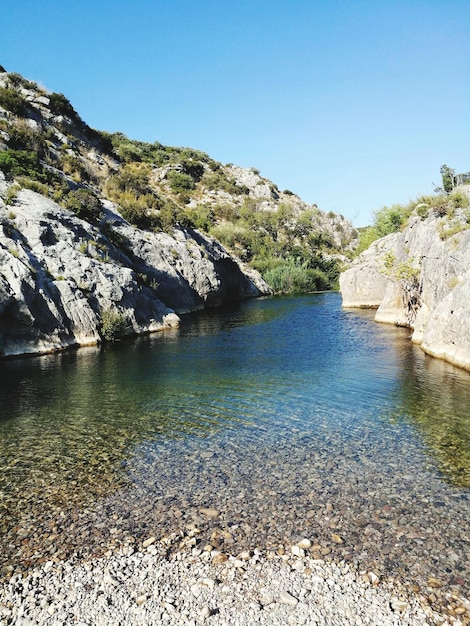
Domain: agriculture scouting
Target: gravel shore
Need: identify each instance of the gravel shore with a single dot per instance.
(144, 586)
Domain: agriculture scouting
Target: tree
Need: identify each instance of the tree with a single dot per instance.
(449, 180)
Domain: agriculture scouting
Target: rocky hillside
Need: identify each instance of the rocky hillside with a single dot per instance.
(102, 236)
(420, 277)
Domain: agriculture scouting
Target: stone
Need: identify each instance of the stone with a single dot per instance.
(286, 598)
(205, 612)
(219, 558)
(296, 551)
(208, 582)
(399, 605)
(209, 512)
(148, 542)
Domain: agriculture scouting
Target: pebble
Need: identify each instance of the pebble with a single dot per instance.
(148, 542)
(272, 592)
(211, 513)
(286, 598)
(205, 612)
(399, 605)
(296, 551)
(291, 506)
(219, 558)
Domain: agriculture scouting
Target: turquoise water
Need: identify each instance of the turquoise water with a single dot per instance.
(290, 416)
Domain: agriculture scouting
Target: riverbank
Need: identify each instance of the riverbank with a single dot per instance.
(142, 586)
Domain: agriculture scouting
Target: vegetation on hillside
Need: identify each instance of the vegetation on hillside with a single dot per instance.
(46, 146)
(394, 218)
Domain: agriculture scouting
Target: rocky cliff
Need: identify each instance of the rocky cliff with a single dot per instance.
(420, 278)
(103, 236)
(63, 281)
(73, 271)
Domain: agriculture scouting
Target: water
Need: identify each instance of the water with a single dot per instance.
(289, 416)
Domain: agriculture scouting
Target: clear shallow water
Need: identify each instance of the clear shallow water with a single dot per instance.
(289, 416)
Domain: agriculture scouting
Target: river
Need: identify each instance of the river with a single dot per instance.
(287, 417)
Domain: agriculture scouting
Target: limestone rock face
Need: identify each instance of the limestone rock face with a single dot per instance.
(190, 269)
(71, 277)
(420, 278)
(364, 284)
(61, 278)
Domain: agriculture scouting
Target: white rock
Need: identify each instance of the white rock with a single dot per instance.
(286, 598)
(297, 551)
(436, 303)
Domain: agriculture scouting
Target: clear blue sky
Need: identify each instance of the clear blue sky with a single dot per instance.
(352, 105)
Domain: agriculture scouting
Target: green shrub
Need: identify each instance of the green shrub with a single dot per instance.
(202, 217)
(128, 151)
(130, 189)
(113, 325)
(293, 278)
(459, 200)
(171, 215)
(23, 137)
(22, 163)
(367, 235)
(238, 238)
(192, 168)
(33, 185)
(132, 178)
(84, 203)
(422, 210)
(216, 180)
(11, 196)
(391, 219)
(74, 167)
(139, 216)
(180, 183)
(60, 105)
(13, 101)
(448, 178)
